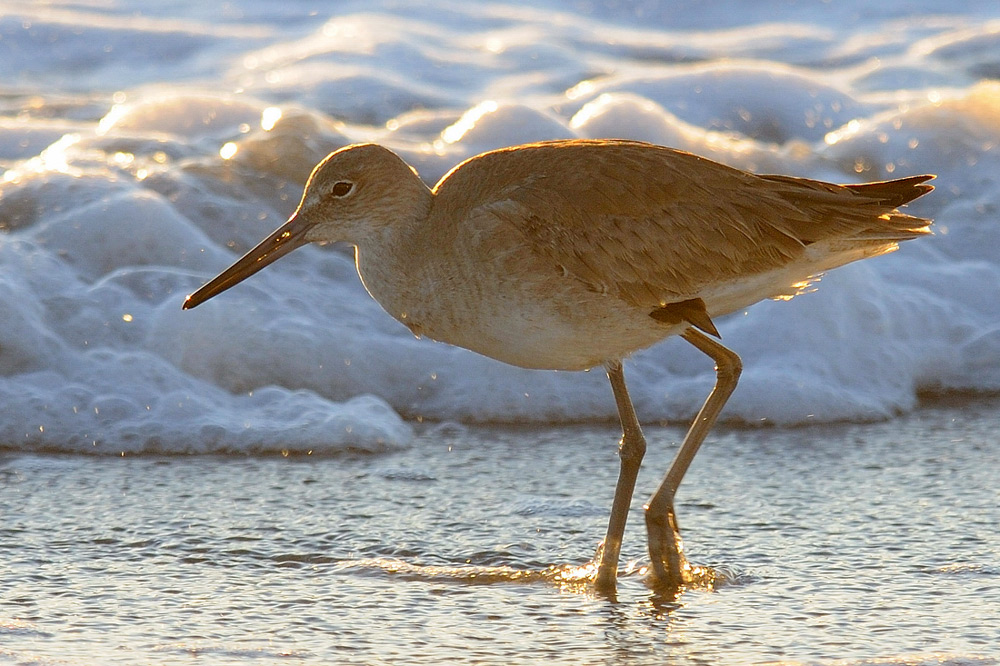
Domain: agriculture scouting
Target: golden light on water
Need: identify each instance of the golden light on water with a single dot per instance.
(581, 89)
(455, 132)
(576, 579)
(228, 150)
(269, 118)
(123, 159)
(850, 129)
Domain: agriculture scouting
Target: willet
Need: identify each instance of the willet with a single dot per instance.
(569, 255)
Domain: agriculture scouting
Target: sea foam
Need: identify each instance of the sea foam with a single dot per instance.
(122, 190)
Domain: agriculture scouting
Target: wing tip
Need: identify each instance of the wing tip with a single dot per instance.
(691, 311)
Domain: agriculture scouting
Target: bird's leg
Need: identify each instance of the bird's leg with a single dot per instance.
(631, 449)
(666, 551)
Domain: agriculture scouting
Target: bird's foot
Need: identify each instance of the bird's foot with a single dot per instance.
(607, 568)
(668, 566)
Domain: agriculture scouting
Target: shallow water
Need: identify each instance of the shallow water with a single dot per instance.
(844, 544)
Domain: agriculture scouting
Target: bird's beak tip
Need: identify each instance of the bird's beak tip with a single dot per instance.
(283, 240)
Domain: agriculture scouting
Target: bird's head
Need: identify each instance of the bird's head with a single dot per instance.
(353, 195)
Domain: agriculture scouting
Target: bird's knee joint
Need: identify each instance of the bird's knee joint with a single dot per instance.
(660, 509)
(632, 447)
(729, 366)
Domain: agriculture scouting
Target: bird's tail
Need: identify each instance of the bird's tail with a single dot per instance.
(894, 193)
(895, 226)
(866, 212)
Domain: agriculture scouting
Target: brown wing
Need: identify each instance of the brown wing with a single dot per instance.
(654, 225)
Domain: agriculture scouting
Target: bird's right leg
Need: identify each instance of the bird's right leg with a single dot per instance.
(631, 449)
(666, 551)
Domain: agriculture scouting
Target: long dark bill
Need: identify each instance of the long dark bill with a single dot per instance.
(285, 238)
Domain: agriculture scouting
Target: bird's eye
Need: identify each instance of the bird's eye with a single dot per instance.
(341, 189)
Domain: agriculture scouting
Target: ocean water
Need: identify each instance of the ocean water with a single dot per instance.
(145, 146)
(843, 544)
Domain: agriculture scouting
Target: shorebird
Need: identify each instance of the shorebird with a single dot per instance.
(568, 255)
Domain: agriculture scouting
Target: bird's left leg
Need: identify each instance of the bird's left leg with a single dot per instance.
(666, 551)
(631, 449)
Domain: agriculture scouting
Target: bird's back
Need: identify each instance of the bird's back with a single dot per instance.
(652, 225)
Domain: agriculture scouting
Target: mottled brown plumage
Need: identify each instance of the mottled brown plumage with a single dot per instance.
(572, 254)
(652, 225)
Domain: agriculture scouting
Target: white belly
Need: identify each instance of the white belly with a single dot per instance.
(549, 321)
(569, 330)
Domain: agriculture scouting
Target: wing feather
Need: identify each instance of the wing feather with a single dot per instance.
(653, 225)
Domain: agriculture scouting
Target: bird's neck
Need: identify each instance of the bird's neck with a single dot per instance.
(388, 258)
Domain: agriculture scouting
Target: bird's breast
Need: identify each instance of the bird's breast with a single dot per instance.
(539, 319)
